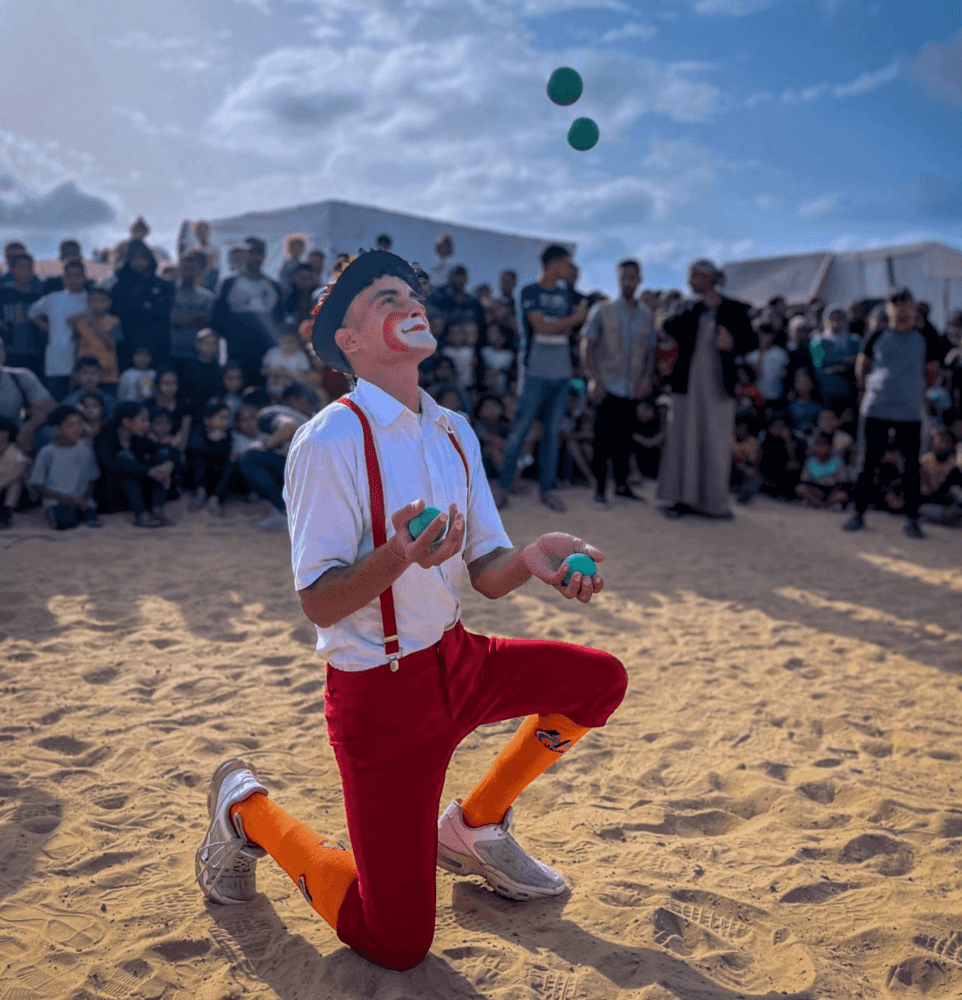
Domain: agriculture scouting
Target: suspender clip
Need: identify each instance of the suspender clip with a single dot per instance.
(393, 658)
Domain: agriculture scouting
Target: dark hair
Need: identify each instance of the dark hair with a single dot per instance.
(486, 399)
(900, 295)
(295, 392)
(316, 250)
(458, 269)
(87, 361)
(127, 411)
(213, 407)
(384, 238)
(554, 251)
(154, 411)
(301, 266)
(513, 273)
(93, 394)
(142, 347)
(17, 257)
(69, 243)
(822, 438)
(629, 262)
(10, 426)
(10, 244)
(97, 290)
(60, 414)
(232, 366)
(166, 370)
(74, 264)
(254, 395)
(197, 255)
(255, 242)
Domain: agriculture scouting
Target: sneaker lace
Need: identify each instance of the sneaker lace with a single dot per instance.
(224, 857)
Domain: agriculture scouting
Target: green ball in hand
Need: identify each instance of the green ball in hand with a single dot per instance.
(565, 86)
(579, 563)
(417, 524)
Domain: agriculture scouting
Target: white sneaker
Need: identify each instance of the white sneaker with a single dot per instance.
(225, 863)
(492, 853)
(274, 521)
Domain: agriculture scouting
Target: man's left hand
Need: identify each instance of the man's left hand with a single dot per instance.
(725, 340)
(545, 559)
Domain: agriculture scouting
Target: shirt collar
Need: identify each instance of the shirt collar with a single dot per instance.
(385, 409)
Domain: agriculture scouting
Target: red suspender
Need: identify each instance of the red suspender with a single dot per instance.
(392, 648)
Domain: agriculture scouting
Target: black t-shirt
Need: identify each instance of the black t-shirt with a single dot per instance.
(181, 409)
(21, 336)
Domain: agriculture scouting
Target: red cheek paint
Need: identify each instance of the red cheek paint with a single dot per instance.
(388, 331)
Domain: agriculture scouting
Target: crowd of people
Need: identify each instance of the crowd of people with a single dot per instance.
(177, 379)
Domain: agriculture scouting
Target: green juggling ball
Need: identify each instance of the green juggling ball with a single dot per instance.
(417, 524)
(565, 86)
(583, 134)
(579, 563)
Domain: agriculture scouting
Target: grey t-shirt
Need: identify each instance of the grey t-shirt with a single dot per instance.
(546, 360)
(65, 470)
(194, 302)
(19, 390)
(895, 387)
(634, 323)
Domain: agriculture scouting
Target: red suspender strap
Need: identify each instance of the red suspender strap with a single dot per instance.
(392, 648)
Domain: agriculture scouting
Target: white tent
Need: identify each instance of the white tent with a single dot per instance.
(336, 226)
(933, 272)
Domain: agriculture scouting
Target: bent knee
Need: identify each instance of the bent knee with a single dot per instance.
(401, 956)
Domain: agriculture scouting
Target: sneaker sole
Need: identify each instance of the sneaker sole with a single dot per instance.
(464, 864)
(216, 782)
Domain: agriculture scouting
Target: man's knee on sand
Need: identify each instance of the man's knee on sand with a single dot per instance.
(402, 951)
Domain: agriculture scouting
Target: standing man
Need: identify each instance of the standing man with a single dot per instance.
(191, 310)
(617, 350)
(710, 331)
(249, 311)
(894, 369)
(406, 682)
(547, 319)
(142, 302)
(25, 342)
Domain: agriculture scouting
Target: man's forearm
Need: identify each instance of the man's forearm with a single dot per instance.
(343, 590)
(504, 573)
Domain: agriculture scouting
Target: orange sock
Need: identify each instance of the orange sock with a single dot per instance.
(322, 870)
(538, 743)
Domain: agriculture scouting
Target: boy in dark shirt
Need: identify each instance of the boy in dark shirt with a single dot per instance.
(203, 375)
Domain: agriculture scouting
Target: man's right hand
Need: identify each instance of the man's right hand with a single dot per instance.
(419, 550)
(580, 311)
(596, 391)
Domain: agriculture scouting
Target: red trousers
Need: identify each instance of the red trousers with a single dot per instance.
(393, 735)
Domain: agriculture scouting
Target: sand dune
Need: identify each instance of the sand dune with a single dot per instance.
(775, 810)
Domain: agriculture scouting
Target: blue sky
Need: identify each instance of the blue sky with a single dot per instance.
(729, 128)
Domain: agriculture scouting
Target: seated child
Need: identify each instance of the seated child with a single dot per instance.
(165, 446)
(825, 477)
(92, 414)
(246, 434)
(648, 436)
(492, 431)
(97, 332)
(780, 459)
(577, 437)
(209, 452)
(14, 466)
(65, 471)
(284, 365)
(888, 481)
(88, 374)
(828, 422)
(941, 472)
(136, 384)
(232, 385)
(746, 451)
(802, 409)
(203, 375)
(496, 357)
(746, 392)
(460, 352)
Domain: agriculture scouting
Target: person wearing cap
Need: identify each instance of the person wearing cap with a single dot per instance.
(710, 332)
(406, 682)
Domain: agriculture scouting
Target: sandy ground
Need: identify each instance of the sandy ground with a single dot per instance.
(776, 809)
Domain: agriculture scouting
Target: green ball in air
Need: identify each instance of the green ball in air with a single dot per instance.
(583, 134)
(417, 524)
(579, 563)
(565, 86)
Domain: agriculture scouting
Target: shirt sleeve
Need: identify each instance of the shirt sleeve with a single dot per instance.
(33, 389)
(933, 347)
(484, 531)
(322, 490)
(41, 468)
(39, 308)
(592, 328)
(868, 348)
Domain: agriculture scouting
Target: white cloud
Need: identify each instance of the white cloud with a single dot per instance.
(731, 8)
(938, 67)
(633, 29)
(868, 81)
(818, 208)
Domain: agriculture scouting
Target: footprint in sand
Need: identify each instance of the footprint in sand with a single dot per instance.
(935, 972)
(47, 923)
(736, 945)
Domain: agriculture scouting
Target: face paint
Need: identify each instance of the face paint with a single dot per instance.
(413, 329)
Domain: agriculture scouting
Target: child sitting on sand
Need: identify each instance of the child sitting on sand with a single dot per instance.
(14, 466)
(285, 365)
(136, 384)
(65, 471)
(825, 476)
(209, 452)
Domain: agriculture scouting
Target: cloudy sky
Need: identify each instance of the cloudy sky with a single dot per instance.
(728, 127)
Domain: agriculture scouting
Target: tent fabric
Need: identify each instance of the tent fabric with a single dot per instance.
(337, 226)
(933, 272)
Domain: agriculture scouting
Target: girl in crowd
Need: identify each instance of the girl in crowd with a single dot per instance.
(209, 452)
(166, 398)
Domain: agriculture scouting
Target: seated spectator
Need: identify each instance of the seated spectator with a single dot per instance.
(492, 431)
(577, 437)
(92, 413)
(262, 464)
(746, 392)
(834, 350)
(191, 311)
(97, 333)
(294, 247)
(209, 453)
(769, 363)
(161, 435)
(87, 378)
(285, 365)
(14, 466)
(167, 397)
(802, 409)
(24, 339)
(232, 385)
(442, 378)
(843, 443)
(453, 302)
(452, 399)
(497, 356)
(746, 451)
(890, 482)
(52, 314)
(780, 459)
(299, 299)
(825, 479)
(245, 433)
(134, 479)
(24, 401)
(460, 352)
(648, 437)
(203, 375)
(941, 471)
(953, 359)
(136, 384)
(317, 262)
(65, 471)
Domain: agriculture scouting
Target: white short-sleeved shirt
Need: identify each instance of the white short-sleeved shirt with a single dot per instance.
(329, 514)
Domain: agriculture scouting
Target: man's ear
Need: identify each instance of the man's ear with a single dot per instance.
(346, 339)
